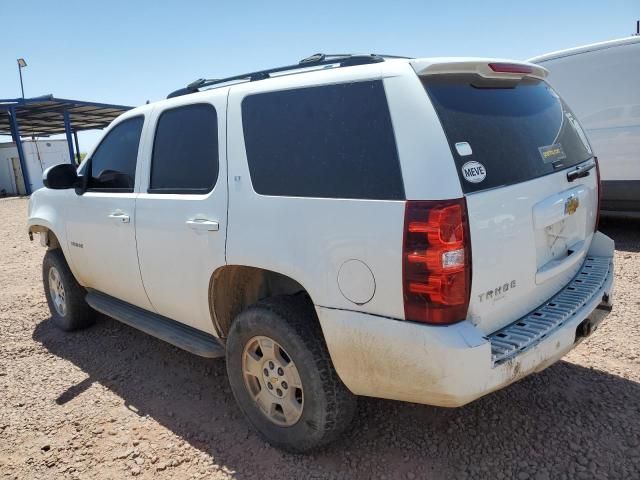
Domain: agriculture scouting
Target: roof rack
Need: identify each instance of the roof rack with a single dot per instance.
(319, 59)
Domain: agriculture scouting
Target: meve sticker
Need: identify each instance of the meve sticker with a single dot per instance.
(474, 172)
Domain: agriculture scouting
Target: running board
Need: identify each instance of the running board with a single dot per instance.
(175, 333)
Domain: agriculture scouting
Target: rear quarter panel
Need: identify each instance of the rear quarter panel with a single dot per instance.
(309, 239)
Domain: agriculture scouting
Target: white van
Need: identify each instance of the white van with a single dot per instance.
(601, 82)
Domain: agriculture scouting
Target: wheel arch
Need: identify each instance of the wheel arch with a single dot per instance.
(232, 288)
(48, 236)
(52, 237)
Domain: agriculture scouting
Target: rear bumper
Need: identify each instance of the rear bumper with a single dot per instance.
(450, 366)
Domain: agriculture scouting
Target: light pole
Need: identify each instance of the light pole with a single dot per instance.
(21, 65)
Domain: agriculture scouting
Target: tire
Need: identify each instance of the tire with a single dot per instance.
(324, 405)
(69, 310)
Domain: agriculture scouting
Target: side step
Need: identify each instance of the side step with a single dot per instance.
(175, 333)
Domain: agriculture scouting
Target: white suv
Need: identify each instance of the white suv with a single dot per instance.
(422, 230)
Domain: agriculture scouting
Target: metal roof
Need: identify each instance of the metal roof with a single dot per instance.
(44, 116)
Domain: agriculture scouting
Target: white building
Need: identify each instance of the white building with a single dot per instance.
(39, 155)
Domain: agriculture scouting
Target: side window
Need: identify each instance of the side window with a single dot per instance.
(113, 164)
(333, 141)
(185, 150)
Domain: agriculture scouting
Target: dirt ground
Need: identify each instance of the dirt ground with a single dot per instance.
(111, 402)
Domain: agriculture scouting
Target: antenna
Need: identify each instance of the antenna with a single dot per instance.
(637, 28)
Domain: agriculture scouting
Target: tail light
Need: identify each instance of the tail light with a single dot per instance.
(599, 186)
(510, 68)
(436, 261)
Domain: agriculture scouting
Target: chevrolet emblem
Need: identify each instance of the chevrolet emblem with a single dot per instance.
(571, 205)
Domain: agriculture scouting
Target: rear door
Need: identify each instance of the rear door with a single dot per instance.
(517, 146)
(182, 208)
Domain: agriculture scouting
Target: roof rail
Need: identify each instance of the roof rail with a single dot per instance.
(319, 59)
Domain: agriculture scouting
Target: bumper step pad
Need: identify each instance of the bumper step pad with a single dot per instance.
(533, 327)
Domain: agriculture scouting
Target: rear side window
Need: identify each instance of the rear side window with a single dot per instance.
(332, 141)
(505, 134)
(113, 164)
(185, 151)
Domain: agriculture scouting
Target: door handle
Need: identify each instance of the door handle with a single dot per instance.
(120, 217)
(203, 224)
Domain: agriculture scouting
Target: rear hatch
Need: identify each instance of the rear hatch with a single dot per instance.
(530, 183)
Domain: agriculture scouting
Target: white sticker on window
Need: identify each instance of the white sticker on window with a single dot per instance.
(474, 172)
(464, 149)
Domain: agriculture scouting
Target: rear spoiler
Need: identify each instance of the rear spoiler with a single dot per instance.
(486, 68)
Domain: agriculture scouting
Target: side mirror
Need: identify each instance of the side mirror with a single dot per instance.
(60, 177)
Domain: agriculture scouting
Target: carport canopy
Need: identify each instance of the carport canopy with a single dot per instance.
(47, 115)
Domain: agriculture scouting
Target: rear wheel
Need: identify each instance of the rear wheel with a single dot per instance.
(65, 296)
(282, 376)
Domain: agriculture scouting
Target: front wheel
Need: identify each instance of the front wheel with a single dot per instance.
(282, 376)
(65, 296)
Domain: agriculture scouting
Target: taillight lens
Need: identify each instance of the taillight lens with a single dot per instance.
(599, 185)
(436, 261)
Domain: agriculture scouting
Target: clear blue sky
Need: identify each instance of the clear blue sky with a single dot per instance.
(127, 52)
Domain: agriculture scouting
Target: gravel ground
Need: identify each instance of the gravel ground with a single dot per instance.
(111, 402)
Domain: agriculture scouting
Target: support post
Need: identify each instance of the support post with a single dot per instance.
(67, 131)
(75, 139)
(15, 133)
(21, 84)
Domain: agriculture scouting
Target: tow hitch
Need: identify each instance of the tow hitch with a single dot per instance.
(590, 324)
(584, 329)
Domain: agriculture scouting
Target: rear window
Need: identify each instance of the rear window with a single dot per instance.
(505, 134)
(331, 141)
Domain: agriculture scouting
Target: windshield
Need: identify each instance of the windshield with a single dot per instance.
(505, 133)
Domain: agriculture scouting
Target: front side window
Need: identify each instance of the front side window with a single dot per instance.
(185, 151)
(330, 141)
(113, 165)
